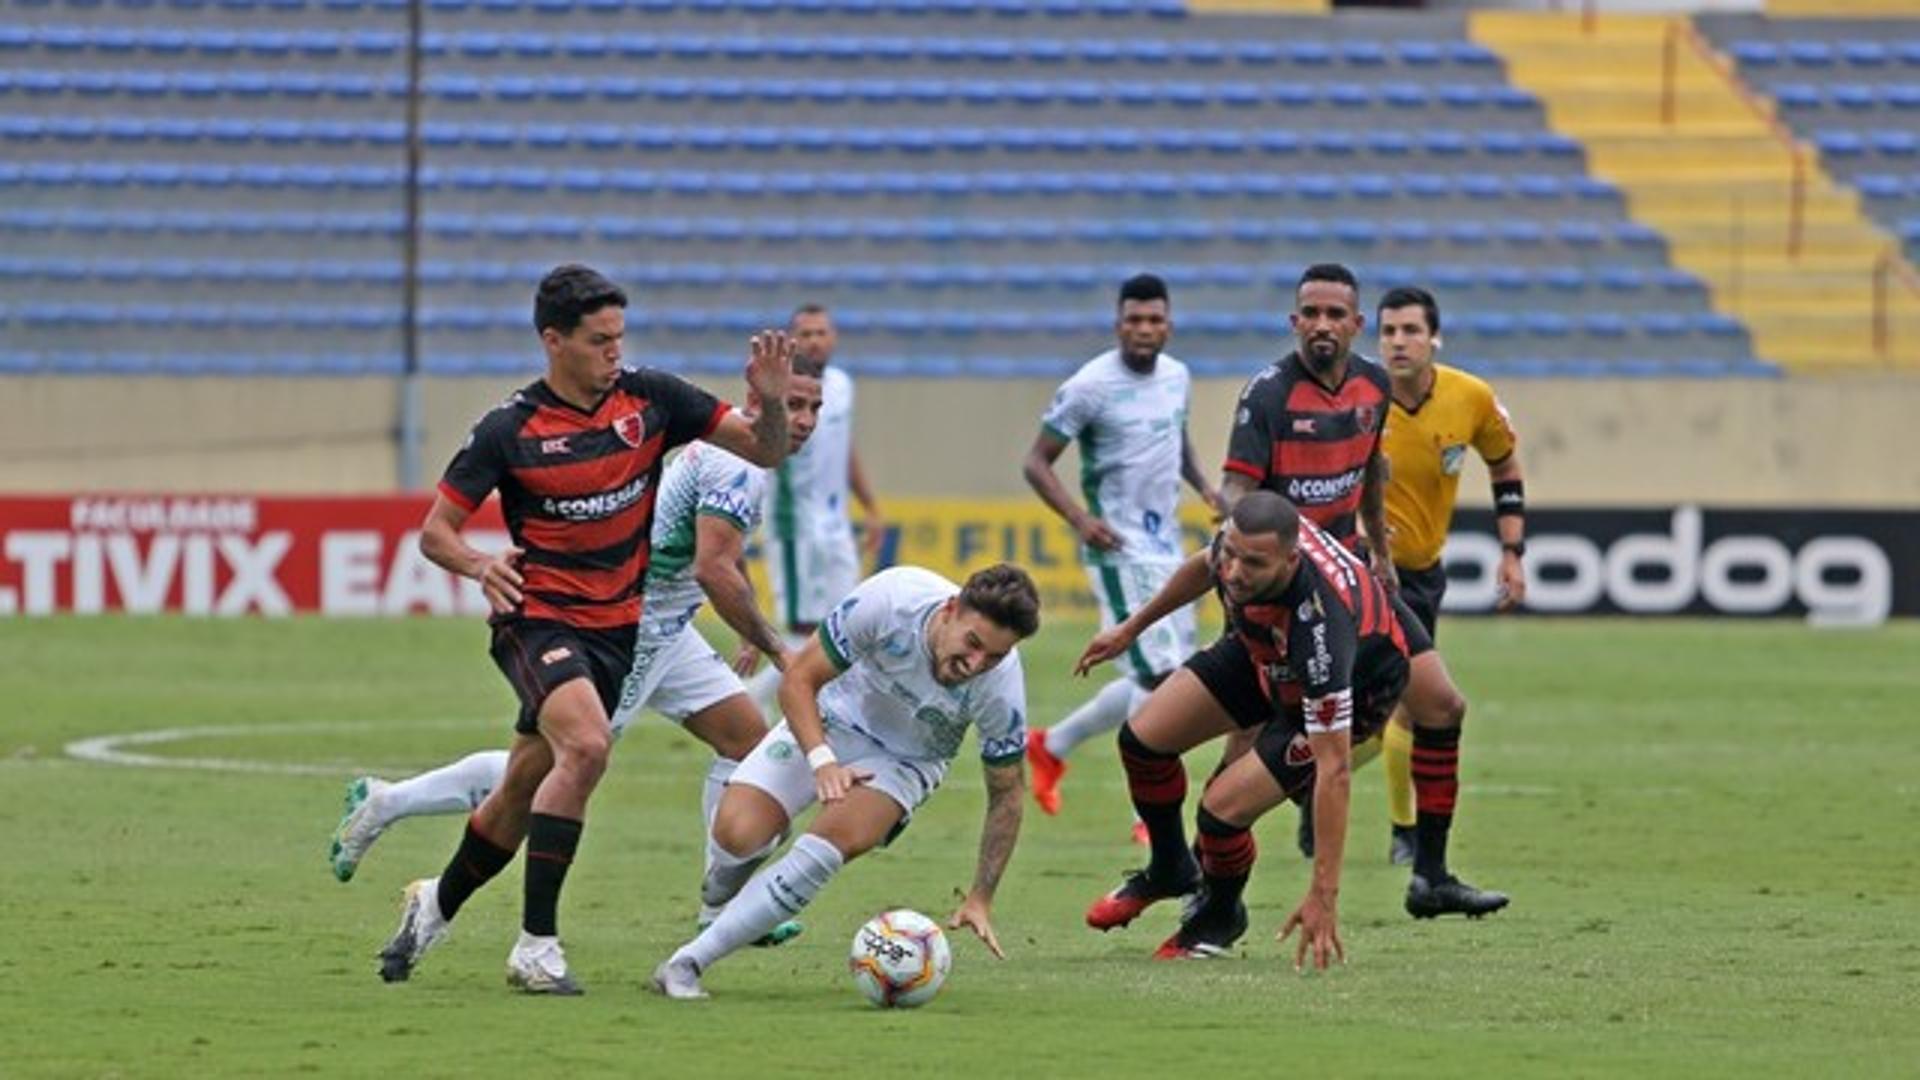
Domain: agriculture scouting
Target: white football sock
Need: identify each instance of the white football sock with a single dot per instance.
(449, 789)
(778, 894)
(726, 874)
(1103, 712)
(710, 792)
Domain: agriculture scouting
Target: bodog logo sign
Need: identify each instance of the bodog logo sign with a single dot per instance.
(1834, 567)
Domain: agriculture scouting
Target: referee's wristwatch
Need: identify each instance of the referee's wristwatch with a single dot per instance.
(1517, 548)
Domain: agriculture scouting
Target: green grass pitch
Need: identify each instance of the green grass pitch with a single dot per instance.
(1708, 830)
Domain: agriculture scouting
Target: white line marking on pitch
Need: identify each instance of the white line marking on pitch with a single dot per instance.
(107, 749)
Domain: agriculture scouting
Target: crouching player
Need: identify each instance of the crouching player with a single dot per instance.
(1315, 659)
(876, 707)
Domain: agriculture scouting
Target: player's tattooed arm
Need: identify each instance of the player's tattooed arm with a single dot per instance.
(1006, 786)
(720, 568)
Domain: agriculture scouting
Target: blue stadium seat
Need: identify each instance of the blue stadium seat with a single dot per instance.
(1809, 53)
(1798, 95)
(1755, 53)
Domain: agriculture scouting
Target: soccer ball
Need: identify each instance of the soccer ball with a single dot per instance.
(900, 959)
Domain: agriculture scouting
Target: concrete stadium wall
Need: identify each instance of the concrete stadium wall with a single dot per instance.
(1799, 442)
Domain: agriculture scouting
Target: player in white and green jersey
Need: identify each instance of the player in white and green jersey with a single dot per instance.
(1127, 410)
(877, 706)
(709, 502)
(812, 557)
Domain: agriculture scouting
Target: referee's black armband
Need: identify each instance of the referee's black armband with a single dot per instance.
(1509, 497)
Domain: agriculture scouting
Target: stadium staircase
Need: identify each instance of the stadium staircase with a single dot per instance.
(1742, 203)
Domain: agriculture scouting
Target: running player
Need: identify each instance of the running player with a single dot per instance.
(576, 457)
(1127, 408)
(1314, 649)
(876, 708)
(812, 559)
(1437, 412)
(1308, 428)
(710, 502)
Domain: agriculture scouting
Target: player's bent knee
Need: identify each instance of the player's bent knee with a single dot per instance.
(748, 821)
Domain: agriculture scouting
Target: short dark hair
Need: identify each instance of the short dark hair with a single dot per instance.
(809, 308)
(809, 366)
(570, 293)
(1408, 296)
(1005, 594)
(1144, 287)
(1265, 511)
(1333, 272)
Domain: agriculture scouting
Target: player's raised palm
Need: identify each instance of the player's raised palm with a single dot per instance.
(770, 364)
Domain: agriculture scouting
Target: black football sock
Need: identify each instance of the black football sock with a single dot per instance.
(1158, 784)
(551, 842)
(1436, 784)
(473, 865)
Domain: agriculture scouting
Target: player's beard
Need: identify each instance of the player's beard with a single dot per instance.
(1322, 361)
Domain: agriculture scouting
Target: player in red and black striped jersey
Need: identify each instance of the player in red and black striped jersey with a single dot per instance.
(575, 457)
(1309, 428)
(1315, 658)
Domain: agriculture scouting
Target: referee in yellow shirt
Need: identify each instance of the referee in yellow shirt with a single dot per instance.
(1437, 413)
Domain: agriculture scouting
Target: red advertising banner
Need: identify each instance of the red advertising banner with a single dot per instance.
(230, 555)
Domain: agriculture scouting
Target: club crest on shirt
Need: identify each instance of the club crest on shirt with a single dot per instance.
(1453, 458)
(1365, 417)
(629, 428)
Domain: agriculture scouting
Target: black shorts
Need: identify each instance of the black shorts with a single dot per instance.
(1227, 671)
(538, 656)
(1423, 590)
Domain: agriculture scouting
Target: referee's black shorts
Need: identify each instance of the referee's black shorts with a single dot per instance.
(1422, 591)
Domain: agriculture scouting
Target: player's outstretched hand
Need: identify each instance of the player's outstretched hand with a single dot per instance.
(972, 914)
(770, 364)
(1319, 926)
(833, 780)
(500, 581)
(1110, 643)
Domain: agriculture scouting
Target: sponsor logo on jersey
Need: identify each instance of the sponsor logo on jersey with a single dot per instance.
(1303, 426)
(781, 750)
(594, 507)
(554, 656)
(1323, 489)
(1320, 664)
(556, 445)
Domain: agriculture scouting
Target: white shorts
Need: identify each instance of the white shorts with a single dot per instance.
(778, 768)
(675, 676)
(809, 576)
(1125, 588)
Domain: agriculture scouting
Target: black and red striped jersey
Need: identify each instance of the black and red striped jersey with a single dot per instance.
(577, 487)
(1328, 631)
(1293, 436)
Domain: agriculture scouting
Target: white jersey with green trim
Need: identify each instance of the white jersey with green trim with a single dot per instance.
(703, 481)
(810, 489)
(877, 638)
(1131, 428)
